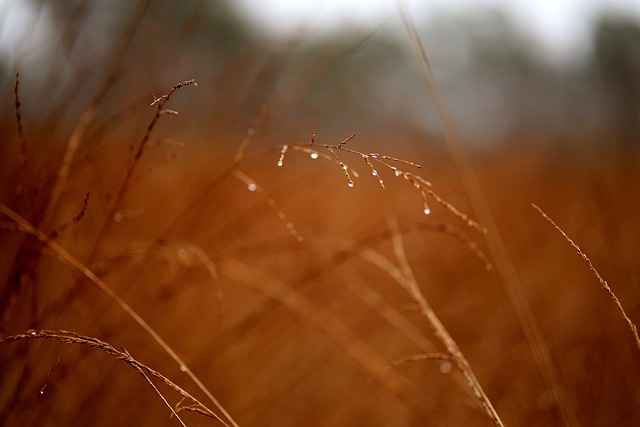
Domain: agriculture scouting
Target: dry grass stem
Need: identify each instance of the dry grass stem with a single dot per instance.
(73, 221)
(632, 327)
(253, 186)
(420, 357)
(114, 205)
(409, 283)
(91, 112)
(308, 296)
(251, 130)
(153, 386)
(67, 337)
(24, 159)
(366, 357)
(393, 316)
(84, 270)
(371, 159)
(504, 264)
(190, 255)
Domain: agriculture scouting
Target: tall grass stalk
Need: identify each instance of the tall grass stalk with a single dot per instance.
(605, 286)
(86, 272)
(504, 264)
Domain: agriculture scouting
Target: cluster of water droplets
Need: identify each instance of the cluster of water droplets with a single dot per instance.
(282, 153)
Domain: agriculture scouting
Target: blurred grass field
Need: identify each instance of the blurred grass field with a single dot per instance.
(310, 334)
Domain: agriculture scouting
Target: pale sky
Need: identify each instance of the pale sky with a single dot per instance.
(560, 26)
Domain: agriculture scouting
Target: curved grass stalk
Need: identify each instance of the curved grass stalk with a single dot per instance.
(27, 227)
(504, 265)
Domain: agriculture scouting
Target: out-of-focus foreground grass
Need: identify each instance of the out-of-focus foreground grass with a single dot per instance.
(311, 332)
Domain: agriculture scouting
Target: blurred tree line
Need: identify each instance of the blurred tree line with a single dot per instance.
(495, 79)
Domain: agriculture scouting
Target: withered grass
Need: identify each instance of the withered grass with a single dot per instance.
(286, 281)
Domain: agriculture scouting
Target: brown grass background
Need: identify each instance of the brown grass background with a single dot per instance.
(268, 362)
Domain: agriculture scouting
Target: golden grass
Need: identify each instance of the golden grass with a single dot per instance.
(280, 280)
(632, 327)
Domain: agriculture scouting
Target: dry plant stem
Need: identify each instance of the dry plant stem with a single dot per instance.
(504, 265)
(90, 114)
(129, 176)
(421, 184)
(153, 386)
(420, 357)
(126, 184)
(397, 320)
(411, 286)
(24, 159)
(67, 337)
(366, 357)
(253, 186)
(632, 327)
(191, 255)
(251, 130)
(73, 221)
(78, 265)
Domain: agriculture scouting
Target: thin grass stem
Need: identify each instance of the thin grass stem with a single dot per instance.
(603, 283)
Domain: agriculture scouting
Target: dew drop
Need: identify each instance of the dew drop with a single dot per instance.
(427, 211)
(374, 173)
(350, 183)
(314, 155)
(33, 333)
(398, 173)
(183, 368)
(252, 186)
(281, 159)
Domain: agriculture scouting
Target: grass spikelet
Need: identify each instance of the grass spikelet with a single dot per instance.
(344, 167)
(129, 179)
(67, 337)
(421, 184)
(89, 274)
(603, 283)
